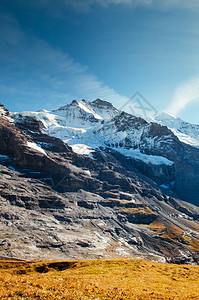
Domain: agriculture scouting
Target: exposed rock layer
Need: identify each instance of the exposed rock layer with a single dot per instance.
(55, 203)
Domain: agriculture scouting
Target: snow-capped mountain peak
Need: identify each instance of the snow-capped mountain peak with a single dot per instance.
(89, 113)
(165, 117)
(129, 178)
(104, 108)
(186, 132)
(155, 148)
(78, 110)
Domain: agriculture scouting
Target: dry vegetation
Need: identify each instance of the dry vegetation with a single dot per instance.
(136, 210)
(171, 231)
(157, 227)
(101, 279)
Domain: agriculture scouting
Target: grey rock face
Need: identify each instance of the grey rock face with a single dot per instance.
(158, 140)
(56, 204)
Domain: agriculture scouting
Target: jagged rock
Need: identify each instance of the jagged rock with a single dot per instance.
(57, 204)
(3, 111)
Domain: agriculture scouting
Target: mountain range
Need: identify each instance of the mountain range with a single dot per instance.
(89, 181)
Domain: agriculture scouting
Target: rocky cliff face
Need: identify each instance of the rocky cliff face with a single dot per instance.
(153, 148)
(59, 204)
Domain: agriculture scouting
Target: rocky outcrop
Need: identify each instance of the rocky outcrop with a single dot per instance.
(30, 161)
(29, 124)
(3, 111)
(39, 223)
(99, 125)
(57, 204)
(130, 132)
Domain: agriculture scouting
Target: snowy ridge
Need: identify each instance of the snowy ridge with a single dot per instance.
(104, 109)
(186, 132)
(79, 114)
(84, 106)
(86, 126)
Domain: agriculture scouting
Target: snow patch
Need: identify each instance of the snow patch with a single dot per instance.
(82, 149)
(36, 147)
(148, 159)
(87, 172)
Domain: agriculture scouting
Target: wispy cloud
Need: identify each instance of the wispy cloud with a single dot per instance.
(57, 7)
(153, 3)
(185, 93)
(34, 72)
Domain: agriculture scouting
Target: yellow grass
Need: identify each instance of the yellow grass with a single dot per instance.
(157, 226)
(173, 231)
(194, 245)
(136, 210)
(99, 279)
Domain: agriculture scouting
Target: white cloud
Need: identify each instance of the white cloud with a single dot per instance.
(185, 93)
(154, 3)
(32, 69)
(57, 7)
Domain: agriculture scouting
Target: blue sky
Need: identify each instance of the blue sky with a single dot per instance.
(54, 51)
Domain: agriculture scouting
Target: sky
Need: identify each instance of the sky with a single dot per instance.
(54, 51)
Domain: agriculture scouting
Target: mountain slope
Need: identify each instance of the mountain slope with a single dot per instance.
(56, 203)
(186, 132)
(153, 148)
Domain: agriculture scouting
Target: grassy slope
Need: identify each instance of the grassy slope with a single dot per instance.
(99, 279)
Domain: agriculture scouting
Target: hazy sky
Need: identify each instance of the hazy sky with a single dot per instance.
(54, 51)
